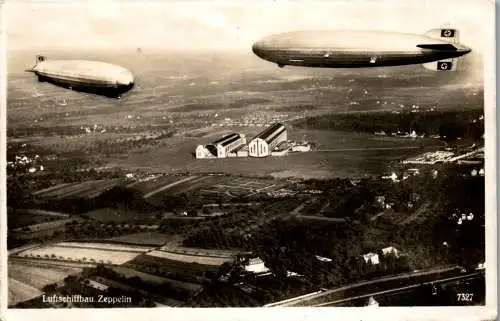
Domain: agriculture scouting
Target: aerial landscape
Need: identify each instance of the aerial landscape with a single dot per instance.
(219, 179)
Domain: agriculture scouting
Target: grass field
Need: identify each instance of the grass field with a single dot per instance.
(87, 252)
(37, 275)
(349, 154)
(145, 238)
(48, 225)
(121, 215)
(88, 189)
(186, 258)
(18, 218)
(154, 279)
(19, 292)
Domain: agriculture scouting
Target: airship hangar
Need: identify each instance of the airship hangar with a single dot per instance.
(235, 145)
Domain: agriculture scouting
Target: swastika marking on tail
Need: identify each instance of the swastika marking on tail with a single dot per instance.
(447, 33)
(444, 65)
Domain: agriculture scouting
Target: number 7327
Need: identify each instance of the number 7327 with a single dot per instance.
(464, 297)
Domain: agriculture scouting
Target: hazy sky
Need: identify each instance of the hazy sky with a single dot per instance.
(224, 25)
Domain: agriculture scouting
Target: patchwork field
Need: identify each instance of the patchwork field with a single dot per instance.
(87, 252)
(108, 214)
(19, 292)
(21, 218)
(27, 279)
(145, 238)
(187, 258)
(235, 187)
(38, 275)
(154, 279)
(88, 189)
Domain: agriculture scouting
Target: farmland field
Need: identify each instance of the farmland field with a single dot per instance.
(153, 279)
(88, 189)
(19, 292)
(49, 225)
(81, 253)
(108, 214)
(37, 275)
(145, 238)
(18, 218)
(241, 186)
(149, 186)
(105, 246)
(204, 260)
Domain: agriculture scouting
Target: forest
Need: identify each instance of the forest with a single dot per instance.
(449, 125)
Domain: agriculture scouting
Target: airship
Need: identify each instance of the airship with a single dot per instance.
(88, 76)
(437, 49)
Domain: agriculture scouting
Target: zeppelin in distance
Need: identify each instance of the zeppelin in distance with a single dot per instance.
(95, 77)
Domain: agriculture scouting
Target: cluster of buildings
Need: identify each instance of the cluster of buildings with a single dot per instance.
(257, 120)
(93, 129)
(31, 164)
(373, 258)
(270, 142)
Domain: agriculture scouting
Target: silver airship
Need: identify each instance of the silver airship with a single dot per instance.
(89, 76)
(438, 49)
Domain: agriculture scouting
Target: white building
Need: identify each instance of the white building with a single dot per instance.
(222, 147)
(390, 250)
(263, 144)
(202, 152)
(371, 258)
(256, 265)
(301, 148)
(372, 302)
(96, 285)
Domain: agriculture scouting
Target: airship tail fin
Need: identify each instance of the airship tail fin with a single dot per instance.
(445, 34)
(442, 65)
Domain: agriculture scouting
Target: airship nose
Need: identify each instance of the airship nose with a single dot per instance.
(259, 48)
(125, 79)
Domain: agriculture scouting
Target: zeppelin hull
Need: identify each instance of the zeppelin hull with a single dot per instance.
(92, 87)
(85, 76)
(354, 49)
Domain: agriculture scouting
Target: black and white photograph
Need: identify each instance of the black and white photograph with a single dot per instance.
(214, 154)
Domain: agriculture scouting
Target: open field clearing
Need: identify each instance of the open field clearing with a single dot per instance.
(352, 155)
(54, 188)
(19, 292)
(105, 246)
(165, 267)
(109, 214)
(82, 254)
(88, 189)
(168, 186)
(17, 219)
(200, 252)
(45, 226)
(241, 186)
(157, 280)
(145, 238)
(43, 212)
(186, 258)
(37, 275)
(150, 185)
(189, 186)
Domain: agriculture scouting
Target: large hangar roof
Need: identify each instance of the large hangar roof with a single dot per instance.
(271, 132)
